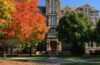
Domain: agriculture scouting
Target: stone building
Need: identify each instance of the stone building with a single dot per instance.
(92, 13)
(53, 12)
(53, 16)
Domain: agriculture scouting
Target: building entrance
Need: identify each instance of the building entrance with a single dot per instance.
(53, 45)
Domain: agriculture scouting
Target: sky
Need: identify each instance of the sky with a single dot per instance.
(93, 3)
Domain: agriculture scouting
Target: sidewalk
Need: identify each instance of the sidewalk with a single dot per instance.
(52, 61)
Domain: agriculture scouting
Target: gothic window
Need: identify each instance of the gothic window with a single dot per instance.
(90, 44)
(52, 32)
(86, 10)
(89, 10)
(94, 20)
(53, 6)
(53, 20)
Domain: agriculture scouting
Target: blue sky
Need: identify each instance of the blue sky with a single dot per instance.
(93, 3)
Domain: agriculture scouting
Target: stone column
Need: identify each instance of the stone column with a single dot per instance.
(59, 46)
(48, 45)
(87, 52)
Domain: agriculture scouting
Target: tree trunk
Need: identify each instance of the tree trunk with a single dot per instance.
(4, 54)
(31, 51)
(11, 49)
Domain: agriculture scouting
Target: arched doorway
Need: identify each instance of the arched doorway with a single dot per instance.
(53, 45)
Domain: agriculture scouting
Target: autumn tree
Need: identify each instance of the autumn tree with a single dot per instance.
(21, 19)
(29, 24)
(6, 31)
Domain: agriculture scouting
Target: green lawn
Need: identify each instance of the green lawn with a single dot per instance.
(81, 64)
(33, 57)
(94, 60)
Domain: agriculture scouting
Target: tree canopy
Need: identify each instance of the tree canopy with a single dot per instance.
(98, 32)
(21, 19)
(28, 23)
(72, 26)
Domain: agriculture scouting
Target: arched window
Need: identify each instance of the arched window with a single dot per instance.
(52, 32)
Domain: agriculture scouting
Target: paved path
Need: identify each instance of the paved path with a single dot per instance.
(49, 61)
(52, 61)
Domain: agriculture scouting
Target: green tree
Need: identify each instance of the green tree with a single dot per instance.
(98, 32)
(72, 27)
(90, 35)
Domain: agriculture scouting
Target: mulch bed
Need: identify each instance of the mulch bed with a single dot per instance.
(10, 62)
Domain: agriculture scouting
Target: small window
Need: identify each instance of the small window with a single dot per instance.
(52, 32)
(90, 44)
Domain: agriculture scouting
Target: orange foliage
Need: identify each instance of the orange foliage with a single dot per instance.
(2, 21)
(9, 31)
(29, 23)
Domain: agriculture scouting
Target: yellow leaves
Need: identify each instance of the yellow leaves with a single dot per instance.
(8, 4)
(28, 1)
(7, 7)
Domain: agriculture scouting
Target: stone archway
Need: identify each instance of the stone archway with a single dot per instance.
(53, 46)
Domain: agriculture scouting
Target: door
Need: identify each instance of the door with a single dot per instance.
(53, 45)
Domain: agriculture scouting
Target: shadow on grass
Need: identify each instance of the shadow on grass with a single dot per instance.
(81, 64)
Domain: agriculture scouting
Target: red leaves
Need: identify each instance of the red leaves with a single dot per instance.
(9, 31)
(29, 23)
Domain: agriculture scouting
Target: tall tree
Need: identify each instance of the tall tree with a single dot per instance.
(72, 27)
(29, 24)
(21, 19)
(6, 9)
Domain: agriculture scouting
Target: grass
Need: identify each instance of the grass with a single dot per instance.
(81, 64)
(75, 58)
(94, 60)
(80, 57)
(28, 57)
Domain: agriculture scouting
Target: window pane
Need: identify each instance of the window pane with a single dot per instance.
(53, 20)
(53, 6)
(52, 32)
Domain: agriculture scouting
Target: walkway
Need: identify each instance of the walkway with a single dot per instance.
(52, 61)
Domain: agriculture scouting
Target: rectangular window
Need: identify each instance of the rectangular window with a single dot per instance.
(90, 44)
(94, 20)
(52, 20)
(53, 6)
